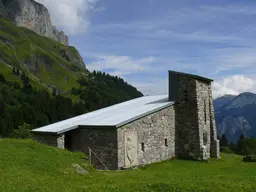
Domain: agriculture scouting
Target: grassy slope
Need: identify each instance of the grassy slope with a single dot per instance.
(28, 166)
(6, 70)
(21, 47)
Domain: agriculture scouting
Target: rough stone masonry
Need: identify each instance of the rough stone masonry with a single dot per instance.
(183, 129)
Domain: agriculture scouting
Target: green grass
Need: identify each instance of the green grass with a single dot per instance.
(6, 70)
(29, 166)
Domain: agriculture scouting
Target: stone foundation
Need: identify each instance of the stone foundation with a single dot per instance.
(51, 140)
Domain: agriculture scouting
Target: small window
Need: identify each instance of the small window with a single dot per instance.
(205, 138)
(205, 112)
(165, 142)
(142, 147)
(185, 95)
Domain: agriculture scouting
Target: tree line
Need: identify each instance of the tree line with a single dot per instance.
(23, 107)
(244, 145)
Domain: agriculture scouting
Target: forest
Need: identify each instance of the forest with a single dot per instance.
(23, 107)
(244, 145)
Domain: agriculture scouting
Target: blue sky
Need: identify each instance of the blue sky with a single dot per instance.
(140, 40)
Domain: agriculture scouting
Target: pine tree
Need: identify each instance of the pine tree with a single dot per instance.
(240, 146)
(13, 71)
(241, 137)
(223, 141)
(18, 72)
(232, 146)
(54, 91)
(23, 76)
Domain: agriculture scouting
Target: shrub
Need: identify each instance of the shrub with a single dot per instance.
(23, 131)
(249, 158)
(226, 150)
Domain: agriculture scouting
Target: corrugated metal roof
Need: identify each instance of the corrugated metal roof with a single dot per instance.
(115, 115)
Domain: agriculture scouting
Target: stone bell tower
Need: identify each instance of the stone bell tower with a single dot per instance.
(195, 133)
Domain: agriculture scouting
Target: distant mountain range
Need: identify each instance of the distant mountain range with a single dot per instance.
(236, 115)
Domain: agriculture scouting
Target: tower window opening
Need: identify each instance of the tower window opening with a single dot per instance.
(142, 147)
(205, 112)
(185, 95)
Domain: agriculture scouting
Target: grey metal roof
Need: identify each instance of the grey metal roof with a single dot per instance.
(113, 116)
(192, 75)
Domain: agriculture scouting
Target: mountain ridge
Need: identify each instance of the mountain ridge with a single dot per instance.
(220, 101)
(236, 116)
(52, 63)
(32, 15)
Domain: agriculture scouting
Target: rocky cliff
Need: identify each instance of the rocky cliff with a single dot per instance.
(32, 15)
(2, 9)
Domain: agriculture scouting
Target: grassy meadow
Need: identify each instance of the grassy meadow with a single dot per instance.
(28, 166)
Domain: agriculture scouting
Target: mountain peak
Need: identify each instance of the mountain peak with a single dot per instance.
(241, 100)
(236, 116)
(223, 100)
(247, 94)
(32, 15)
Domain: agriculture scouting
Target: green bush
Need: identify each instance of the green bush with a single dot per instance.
(23, 131)
(226, 149)
(249, 158)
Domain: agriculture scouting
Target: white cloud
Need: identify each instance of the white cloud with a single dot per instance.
(153, 87)
(135, 72)
(121, 65)
(70, 16)
(234, 85)
(126, 67)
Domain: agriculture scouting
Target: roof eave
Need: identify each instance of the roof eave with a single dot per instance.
(55, 132)
(144, 115)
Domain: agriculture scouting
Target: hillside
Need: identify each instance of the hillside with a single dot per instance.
(22, 104)
(43, 81)
(237, 116)
(46, 61)
(29, 166)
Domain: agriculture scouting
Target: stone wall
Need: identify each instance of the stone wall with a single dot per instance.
(208, 135)
(51, 140)
(204, 118)
(196, 136)
(102, 141)
(215, 145)
(187, 132)
(156, 132)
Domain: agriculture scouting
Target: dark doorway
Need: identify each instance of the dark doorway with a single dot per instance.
(68, 140)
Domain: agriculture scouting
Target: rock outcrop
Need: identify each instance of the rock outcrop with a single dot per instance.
(2, 9)
(32, 15)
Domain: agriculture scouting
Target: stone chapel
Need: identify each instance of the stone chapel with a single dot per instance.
(143, 130)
